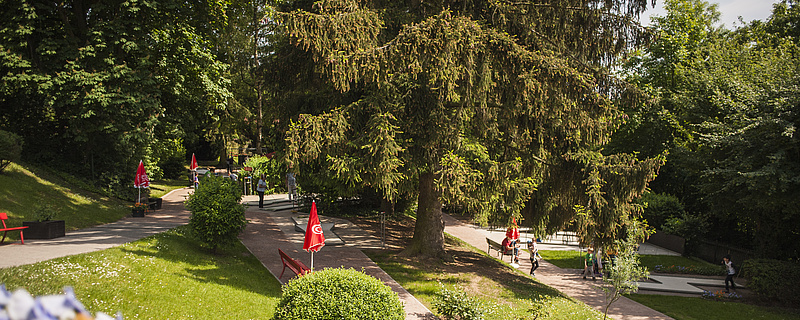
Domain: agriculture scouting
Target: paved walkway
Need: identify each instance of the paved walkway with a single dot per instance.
(566, 281)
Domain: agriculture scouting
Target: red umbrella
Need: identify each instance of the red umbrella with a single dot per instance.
(141, 180)
(193, 165)
(315, 240)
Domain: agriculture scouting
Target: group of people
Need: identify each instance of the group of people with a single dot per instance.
(511, 245)
(592, 264)
(261, 187)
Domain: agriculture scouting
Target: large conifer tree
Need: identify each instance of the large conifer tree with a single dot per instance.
(499, 106)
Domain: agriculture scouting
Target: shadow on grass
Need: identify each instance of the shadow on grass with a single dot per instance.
(232, 267)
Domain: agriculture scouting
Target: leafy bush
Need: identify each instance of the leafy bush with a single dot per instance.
(339, 294)
(10, 148)
(456, 304)
(691, 269)
(660, 208)
(774, 280)
(690, 227)
(272, 168)
(217, 214)
(171, 158)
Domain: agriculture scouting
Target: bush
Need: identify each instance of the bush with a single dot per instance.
(272, 168)
(338, 294)
(217, 214)
(660, 208)
(456, 304)
(773, 280)
(10, 148)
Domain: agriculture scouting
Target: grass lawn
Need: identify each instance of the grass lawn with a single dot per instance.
(166, 276)
(21, 190)
(503, 291)
(159, 188)
(685, 308)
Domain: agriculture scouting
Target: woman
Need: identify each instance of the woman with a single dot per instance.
(535, 257)
(261, 188)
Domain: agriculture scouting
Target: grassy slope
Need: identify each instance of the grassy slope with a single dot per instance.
(21, 189)
(167, 276)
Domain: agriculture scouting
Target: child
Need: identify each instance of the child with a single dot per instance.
(588, 264)
(535, 257)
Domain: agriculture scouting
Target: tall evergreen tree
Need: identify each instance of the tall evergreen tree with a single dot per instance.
(497, 106)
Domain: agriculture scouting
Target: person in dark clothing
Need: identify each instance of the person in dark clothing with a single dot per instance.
(730, 271)
(535, 257)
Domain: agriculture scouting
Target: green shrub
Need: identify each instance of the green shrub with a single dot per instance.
(217, 214)
(338, 294)
(272, 168)
(456, 304)
(660, 208)
(10, 148)
(773, 280)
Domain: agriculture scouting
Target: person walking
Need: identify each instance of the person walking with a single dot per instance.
(535, 257)
(261, 188)
(588, 263)
(291, 186)
(730, 271)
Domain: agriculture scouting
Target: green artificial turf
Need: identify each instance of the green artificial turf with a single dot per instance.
(166, 276)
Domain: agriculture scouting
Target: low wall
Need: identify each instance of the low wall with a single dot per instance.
(668, 241)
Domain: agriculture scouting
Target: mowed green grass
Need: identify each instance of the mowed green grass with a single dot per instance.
(685, 308)
(166, 276)
(22, 189)
(504, 292)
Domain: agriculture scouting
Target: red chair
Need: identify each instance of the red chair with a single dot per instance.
(6, 229)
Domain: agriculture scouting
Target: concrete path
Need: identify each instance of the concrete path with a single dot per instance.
(269, 230)
(566, 281)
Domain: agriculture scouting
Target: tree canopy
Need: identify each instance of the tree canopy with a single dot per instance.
(494, 106)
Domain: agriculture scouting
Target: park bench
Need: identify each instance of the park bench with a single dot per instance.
(296, 266)
(500, 250)
(6, 229)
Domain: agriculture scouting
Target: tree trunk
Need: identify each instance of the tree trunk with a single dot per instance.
(428, 240)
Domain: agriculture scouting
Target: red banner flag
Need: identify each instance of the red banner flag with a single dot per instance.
(193, 165)
(141, 180)
(315, 240)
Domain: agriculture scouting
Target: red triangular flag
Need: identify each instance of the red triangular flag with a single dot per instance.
(315, 240)
(193, 165)
(141, 180)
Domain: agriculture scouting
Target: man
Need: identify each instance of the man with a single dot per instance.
(291, 185)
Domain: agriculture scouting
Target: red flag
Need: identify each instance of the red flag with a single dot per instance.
(193, 165)
(315, 240)
(141, 180)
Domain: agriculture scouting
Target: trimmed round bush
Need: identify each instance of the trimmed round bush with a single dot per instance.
(217, 214)
(338, 294)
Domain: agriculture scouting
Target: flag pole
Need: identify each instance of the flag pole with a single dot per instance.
(312, 261)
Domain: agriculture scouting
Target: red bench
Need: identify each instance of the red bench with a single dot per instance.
(296, 266)
(6, 229)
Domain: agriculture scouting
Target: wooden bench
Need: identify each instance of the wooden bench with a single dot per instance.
(296, 266)
(500, 250)
(6, 229)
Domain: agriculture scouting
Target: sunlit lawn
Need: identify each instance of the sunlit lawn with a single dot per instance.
(505, 292)
(572, 259)
(167, 276)
(161, 187)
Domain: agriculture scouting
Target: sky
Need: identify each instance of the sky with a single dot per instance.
(731, 10)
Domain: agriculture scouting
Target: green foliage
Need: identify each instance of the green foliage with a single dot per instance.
(625, 271)
(688, 308)
(338, 294)
(773, 280)
(455, 304)
(690, 227)
(274, 170)
(171, 158)
(217, 213)
(660, 207)
(45, 211)
(10, 148)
